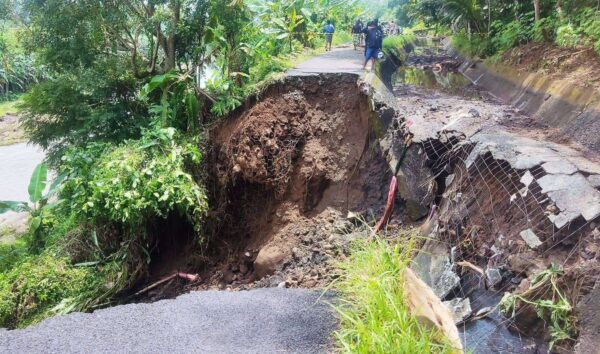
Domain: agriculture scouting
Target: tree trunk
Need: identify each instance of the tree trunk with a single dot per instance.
(170, 49)
(537, 9)
(559, 9)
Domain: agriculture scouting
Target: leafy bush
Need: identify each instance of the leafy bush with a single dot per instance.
(510, 34)
(544, 29)
(267, 66)
(590, 26)
(566, 36)
(476, 46)
(12, 253)
(137, 181)
(30, 290)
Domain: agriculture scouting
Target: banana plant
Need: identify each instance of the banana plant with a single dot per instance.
(37, 205)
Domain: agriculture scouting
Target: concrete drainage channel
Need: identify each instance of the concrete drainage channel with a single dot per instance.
(497, 202)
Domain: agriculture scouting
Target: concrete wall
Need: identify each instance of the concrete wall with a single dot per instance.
(573, 110)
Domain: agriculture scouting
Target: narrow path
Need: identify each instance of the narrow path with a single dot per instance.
(258, 321)
(17, 163)
(339, 60)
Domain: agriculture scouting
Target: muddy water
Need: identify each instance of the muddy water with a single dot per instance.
(16, 165)
(447, 82)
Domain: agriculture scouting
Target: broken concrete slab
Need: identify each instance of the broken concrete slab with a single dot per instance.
(527, 178)
(493, 276)
(571, 192)
(573, 195)
(432, 264)
(460, 308)
(530, 238)
(559, 167)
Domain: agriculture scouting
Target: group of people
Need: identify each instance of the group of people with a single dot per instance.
(369, 36)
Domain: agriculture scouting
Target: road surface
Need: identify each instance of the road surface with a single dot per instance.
(259, 321)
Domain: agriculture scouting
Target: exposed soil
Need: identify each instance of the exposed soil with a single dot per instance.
(289, 169)
(580, 66)
(286, 171)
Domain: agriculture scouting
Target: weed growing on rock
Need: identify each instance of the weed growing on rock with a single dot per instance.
(549, 302)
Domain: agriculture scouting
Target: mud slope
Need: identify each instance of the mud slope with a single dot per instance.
(287, 170)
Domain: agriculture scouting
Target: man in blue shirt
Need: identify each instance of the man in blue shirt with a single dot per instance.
(373, 42)
(328, 30)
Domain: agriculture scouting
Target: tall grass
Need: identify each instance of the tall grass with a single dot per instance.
(374, 315)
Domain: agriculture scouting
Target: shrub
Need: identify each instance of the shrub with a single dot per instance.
(137, 181)
(590, 26)
(566, 36)
(476, 46)
(510, 34)
(30, 290)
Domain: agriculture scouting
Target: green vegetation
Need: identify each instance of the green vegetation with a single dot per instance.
(18, 71)
(37, 207)
(550, 303)
(397, 46)
(374, 315)
(134, 86)
(486, 28)
(9, 106)
(32, 290)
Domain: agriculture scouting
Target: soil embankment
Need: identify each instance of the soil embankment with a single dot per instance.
(287, 170)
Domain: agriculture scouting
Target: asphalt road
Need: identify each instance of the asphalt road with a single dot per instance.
(258, 321)
(339, 60)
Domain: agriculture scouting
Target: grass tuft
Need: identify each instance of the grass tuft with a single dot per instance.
(374, 315)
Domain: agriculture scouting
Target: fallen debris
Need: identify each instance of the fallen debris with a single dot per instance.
(460, 308)
(530, 238)
(189, 277)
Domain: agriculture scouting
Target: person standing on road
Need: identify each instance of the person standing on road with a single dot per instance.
(373, 43)
(329, 30)
(357, 34)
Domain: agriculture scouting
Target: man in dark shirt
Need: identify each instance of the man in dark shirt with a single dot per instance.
(373, 42)
(357, 34)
